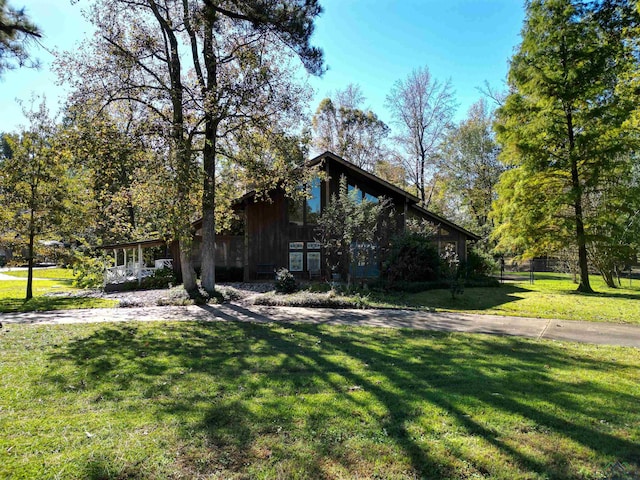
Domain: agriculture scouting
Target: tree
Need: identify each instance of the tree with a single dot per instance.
(204, 70)
(422, 108)
(342, 127)
(561, 126)
(15, 32)
(353, 230)
(470, 168)
(127, 179)
(39, 194)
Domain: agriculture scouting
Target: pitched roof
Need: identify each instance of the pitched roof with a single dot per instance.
(369, 176)
(411, 199)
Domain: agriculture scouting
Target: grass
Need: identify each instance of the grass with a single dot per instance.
(49, 273)
(550, 296)
(257, 401)
(48, 294)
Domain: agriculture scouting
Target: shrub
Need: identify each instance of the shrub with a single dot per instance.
(87, 270)
(412, 258)
(161, 278)
(285, 281)
(478, 264)
(452, 271)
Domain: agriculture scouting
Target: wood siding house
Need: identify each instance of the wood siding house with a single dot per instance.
(281, 233)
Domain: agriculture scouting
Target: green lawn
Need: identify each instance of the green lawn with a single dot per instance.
(12, 294)
(256, 401)
(550, 296)
(50, 273)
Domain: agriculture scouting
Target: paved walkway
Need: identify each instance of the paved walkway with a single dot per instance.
(563, 330)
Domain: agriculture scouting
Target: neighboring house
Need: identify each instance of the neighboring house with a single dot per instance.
(282, 233)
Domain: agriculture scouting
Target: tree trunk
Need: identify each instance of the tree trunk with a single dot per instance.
(607, 276)
(32, 234)
(208, 215)
(186, 267)
(208, 275)
(581, 238)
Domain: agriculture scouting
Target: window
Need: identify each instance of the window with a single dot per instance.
(307, 211)
(296, 211)
(370, 198)
(313, 203)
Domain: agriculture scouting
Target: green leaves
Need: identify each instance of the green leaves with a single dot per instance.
(563, 127)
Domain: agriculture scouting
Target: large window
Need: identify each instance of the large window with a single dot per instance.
(313, 203)
(307, 211)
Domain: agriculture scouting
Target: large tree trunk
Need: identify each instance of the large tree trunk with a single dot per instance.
(208, 276)
(581, 238)
(208, 215)
(186, 267)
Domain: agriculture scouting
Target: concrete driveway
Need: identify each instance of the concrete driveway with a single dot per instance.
(561, 330)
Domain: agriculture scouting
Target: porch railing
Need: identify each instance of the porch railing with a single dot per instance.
(134, 271)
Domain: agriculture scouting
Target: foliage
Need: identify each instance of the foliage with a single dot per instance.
(178, 296)
(204, 73)
(41, 195)
(161, 278)
(245, 400)
(478, 264)
(562, 127)
(452, 271)
(88, 269)
(342, 127)
(422, 108)
(16, 31)
(352, 229)
(305, 298)
(469, 169)
(285, 282)
(412, 258)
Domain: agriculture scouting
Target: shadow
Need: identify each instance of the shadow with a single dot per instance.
(289, 400)
(610, 294)
(473, 298)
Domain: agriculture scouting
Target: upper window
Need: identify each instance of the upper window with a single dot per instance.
(307, 211)
(313, 203)
(370, 198)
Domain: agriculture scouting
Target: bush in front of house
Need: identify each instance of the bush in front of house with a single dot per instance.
(285, 281)
(88, 270)
(478, 265)
(161, 278)
(412, 258)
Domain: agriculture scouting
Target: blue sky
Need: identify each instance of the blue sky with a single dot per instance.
(372, 43)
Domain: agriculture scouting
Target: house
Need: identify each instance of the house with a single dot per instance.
(282, 233)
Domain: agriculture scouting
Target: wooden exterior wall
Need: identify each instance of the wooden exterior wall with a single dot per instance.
(270, 238)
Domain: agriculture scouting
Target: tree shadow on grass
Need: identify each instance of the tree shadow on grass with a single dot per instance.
(309, 401)
(473, 298)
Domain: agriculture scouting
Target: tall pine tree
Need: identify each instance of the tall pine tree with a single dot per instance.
(562, 123)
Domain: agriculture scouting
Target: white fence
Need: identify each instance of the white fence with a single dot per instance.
(134, 271)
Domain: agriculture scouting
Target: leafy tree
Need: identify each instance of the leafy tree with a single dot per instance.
(41, 196)
(15, 31)
(562, 124)
(342, 127)
(422, 108)
(470, 168)
(111, 151)
(352, 229)
(204, 70)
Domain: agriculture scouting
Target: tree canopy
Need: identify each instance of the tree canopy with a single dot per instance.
(562, 127)
(16, 30)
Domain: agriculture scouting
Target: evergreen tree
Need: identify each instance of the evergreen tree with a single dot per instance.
(562, 124)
